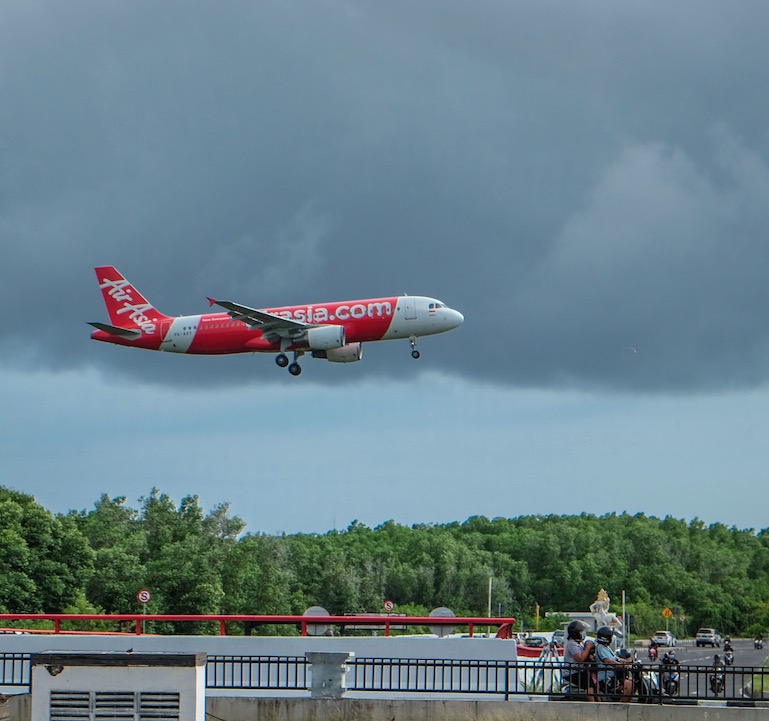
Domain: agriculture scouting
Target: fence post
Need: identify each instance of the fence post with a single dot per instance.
(327, 673)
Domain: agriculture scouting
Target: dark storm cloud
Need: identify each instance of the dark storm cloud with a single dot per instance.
(588, 183)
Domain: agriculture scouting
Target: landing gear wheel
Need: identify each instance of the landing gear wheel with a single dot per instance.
(295, 369)
(414, 351)
(282, 360)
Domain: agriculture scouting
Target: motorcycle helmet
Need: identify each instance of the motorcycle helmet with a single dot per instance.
(575, 630)
(605, 635)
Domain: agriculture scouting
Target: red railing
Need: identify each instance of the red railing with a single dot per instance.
(385, 621)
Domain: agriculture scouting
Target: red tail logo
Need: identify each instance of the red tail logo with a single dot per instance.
(127, 307)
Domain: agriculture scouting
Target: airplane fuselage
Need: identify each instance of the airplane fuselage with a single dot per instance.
(397, 317)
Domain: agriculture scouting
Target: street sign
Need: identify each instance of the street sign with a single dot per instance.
(389, 606)
(666, 612)
(442, 612)
(144, 596)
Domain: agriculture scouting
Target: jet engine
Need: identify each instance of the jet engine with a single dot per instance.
(349, 353)
(325, 337)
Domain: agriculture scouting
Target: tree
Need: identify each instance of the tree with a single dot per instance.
(46, 560)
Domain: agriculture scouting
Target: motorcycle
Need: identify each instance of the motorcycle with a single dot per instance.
(717, 680)
(671, 680)
(645, 682)
(653, 653)
(758, 643)
(646, 685)
(729, 657)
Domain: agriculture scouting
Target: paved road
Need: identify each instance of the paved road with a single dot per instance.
(687, 653)
(697, 684)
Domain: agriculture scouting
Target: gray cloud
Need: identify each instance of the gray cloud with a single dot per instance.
(580, 180)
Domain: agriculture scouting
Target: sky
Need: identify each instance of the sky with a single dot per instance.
(588, 183)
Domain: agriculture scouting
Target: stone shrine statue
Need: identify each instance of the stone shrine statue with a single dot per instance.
(600, 610)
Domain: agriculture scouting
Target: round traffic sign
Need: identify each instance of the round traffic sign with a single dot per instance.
(144, 596)
(389, 606)
(442, 612)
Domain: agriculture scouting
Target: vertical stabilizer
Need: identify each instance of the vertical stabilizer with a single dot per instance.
(126, 306)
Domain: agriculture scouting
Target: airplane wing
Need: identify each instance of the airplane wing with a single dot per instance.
(272, 326)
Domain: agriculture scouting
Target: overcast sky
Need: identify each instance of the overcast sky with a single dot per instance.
(587, 182)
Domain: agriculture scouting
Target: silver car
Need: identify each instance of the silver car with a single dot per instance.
(708, 637)
(664, 638)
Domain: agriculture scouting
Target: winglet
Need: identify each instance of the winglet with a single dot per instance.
(211, 301)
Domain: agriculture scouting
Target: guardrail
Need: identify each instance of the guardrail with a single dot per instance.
(306, 624)
(741, 685)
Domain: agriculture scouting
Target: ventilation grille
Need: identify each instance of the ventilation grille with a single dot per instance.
(114, 706)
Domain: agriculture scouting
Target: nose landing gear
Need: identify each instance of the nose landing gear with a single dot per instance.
(414, 351)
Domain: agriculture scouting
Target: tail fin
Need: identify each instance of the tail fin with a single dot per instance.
(126, 306)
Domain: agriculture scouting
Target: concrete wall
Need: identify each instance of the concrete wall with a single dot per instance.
(347, 709)
(19, 708)
(16, 708)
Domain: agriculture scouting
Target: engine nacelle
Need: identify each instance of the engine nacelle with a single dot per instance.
(349, 353)
(326, 337)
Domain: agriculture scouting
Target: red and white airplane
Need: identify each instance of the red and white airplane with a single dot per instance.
(334, 331)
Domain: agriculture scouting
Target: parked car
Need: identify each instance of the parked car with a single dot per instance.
(708, 637)
(535, 641)
(664, 638)
(559, 637)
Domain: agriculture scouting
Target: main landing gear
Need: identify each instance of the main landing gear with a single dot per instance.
(293, 368)
(414, 351)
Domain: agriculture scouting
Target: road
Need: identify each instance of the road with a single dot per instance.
(696, 683)
(688, 654)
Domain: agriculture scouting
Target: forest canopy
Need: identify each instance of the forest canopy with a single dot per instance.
(204, 562)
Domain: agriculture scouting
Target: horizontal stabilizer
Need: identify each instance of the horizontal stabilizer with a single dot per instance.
(117, 330)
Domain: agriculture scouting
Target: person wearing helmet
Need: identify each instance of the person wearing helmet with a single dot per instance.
(669, 659)
(579, 650)
(611, 668)
(670, 668)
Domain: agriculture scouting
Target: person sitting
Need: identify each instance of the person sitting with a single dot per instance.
(611, 668)
(579, 650)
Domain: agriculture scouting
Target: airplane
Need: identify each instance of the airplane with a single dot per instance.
(333, 331)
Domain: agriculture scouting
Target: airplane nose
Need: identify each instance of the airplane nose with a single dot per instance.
(456, 318)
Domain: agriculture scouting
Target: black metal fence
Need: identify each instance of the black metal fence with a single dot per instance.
(734, 685)
(407, 675)
(262, 673)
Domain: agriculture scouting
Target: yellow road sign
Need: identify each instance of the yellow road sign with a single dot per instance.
(666, 612)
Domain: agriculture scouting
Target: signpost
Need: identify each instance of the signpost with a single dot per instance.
(667, 613)
(144, 597)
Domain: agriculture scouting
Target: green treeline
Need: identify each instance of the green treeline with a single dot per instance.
(198, 562)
